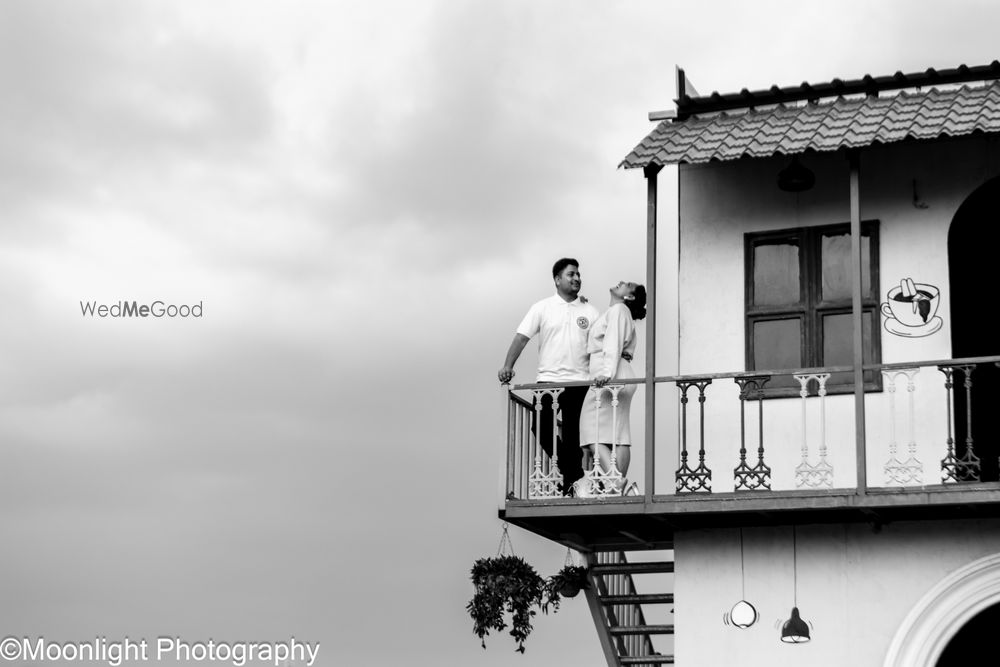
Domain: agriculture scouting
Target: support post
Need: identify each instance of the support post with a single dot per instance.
(506, 483)
(650, 171)
(854, 160)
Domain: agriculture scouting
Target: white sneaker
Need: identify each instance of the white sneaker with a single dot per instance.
(581, 488)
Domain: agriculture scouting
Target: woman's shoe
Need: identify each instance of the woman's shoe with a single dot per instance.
(630, 489)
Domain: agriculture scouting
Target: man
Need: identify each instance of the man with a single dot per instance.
(562, 323)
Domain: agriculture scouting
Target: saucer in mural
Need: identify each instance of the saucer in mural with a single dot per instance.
(894, 326)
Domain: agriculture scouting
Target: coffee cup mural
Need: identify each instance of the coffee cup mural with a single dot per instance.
(911, 309)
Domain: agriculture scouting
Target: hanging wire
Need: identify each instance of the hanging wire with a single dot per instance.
(569, 558)
(795, 573)
(743, 581)
(505, 542)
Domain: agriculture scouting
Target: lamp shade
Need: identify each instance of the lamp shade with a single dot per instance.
(743, 614)
(795, 630)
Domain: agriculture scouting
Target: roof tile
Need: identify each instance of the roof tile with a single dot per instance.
(850, 123)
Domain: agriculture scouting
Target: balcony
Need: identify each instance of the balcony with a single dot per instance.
(728, 451)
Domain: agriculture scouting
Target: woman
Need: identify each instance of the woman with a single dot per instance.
(611, 344)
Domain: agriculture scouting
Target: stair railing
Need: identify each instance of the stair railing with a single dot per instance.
(630, 647)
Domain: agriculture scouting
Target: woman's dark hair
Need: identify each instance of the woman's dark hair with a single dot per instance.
(561, 264)
(637, 306)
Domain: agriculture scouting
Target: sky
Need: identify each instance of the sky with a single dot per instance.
(364, 198)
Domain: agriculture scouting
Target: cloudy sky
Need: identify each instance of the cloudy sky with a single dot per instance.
(364, 197)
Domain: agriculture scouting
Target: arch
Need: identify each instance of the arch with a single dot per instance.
(942, 611)
(975, 641)
(973, 239)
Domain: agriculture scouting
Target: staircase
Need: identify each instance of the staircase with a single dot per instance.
(617, 607)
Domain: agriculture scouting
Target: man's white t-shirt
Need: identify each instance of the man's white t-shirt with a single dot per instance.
(562, 329)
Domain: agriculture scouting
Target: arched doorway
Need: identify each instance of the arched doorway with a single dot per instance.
(973, 246)
(975, 644)
(943, 612)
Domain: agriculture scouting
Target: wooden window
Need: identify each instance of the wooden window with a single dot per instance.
(798, 304)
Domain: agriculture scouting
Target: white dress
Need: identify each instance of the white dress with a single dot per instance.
(611, 335)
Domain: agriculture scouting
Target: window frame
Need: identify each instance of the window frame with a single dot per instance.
(810, 308)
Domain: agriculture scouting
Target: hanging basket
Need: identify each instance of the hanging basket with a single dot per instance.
(569, 590)
(504, 585)
(569, 581)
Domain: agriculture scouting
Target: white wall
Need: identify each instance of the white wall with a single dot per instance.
(720, 202)
(854, 586)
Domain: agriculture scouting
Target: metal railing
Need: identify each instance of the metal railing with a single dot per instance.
(623, 614)
(534, 472)
(916, 428)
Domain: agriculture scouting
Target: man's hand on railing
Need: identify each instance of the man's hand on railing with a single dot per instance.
(601, 380)
(505, 374)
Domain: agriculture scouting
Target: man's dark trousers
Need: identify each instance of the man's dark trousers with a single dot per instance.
(568, 446)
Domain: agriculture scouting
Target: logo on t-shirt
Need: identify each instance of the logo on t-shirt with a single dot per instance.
(582, 322)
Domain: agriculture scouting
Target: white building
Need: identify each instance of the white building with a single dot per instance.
(829, 443)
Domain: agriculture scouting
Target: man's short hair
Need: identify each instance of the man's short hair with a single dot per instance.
(561, 264)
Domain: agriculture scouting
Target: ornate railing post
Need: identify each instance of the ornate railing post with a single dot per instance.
(820, 474)
(949, 464)
(699, 479)
(758, 477)
(542, 484)
(598, 483)
(912, 470)
(966, 467)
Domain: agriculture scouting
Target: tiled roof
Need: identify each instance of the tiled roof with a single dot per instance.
(825, 126)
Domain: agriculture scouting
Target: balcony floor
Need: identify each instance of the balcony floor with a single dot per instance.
(633, 523)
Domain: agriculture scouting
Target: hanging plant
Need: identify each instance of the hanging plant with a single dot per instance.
(566, 583)
(505, 585)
